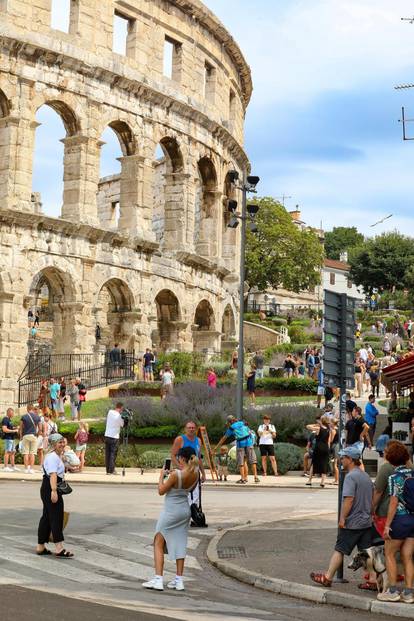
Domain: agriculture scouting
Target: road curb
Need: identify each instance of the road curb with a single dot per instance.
(301, 591)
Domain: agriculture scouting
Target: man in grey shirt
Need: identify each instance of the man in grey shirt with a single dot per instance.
(355, 522)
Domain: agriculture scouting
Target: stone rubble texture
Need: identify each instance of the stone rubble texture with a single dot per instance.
(165, 274)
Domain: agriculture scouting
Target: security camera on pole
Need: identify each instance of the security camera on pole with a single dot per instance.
(247, 217)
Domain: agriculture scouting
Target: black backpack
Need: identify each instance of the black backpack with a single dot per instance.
(198, 519)
(408, 494)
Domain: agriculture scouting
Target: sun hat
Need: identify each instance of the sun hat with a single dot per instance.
(54, 438)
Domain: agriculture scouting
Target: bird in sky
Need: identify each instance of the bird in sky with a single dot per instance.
(380, 221)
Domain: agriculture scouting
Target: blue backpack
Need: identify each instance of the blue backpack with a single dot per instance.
(240, 430)
(408, 493)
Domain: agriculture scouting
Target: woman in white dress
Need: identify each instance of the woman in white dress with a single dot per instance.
(172, 527)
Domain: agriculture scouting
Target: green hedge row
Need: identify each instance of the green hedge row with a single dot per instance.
(306, 385)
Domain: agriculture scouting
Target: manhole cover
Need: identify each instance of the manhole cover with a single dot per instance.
(232, 552)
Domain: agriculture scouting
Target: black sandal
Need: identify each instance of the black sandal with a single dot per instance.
(44, 552)
(64, 554)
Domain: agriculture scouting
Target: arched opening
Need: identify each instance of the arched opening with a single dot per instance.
(205, 215)
(204, 331)
(167, 166)
(228, 235)
(117, 143)
(52, 296)
(51, 174)
(228, 329)
(4, 105)
(166, 337)
(114, 321)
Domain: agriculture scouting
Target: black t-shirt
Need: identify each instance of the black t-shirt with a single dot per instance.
(6, 422)
(148, 358)
(350, 405)
(354, 428)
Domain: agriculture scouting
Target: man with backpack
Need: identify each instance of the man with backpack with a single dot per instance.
(239, 430)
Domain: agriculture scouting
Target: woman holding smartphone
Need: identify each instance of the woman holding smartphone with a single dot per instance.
(172, 526)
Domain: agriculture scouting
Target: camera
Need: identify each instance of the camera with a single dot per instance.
(127, 416)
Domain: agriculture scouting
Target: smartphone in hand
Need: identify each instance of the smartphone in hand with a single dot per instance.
(167, 464)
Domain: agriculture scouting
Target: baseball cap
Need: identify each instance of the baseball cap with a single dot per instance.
(350, 451)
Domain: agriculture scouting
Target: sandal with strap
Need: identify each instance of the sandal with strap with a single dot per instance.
(321, 579)
(368, 586)
(240, 481)
(64, 554)
(44, 552)
(256, 480)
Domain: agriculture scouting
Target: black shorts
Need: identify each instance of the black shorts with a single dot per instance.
(267, 449)
(349, 538)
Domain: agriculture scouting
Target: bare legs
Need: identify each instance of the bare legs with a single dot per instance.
(159, 543)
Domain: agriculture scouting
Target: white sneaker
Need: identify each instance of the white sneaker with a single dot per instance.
(7, 469)
(27, 471)
(16, 469)
(407, 598)
(178, 585)
(154, 583)
(387, 596)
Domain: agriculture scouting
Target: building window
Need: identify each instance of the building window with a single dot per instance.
(232, 105)
(172, 59)
(331, 278)
(349, 283)
(115, 214)
(209, 82)
(60, 15)
(123, 35)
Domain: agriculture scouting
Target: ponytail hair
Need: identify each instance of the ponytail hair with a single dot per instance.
(193, 463)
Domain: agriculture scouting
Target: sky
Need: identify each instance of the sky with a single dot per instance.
(322, 126)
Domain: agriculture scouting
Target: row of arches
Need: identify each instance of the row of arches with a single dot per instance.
(187, 199)
(113, 310)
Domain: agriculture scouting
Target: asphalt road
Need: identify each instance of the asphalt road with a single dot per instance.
(110, 530)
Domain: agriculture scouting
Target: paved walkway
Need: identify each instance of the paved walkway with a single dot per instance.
(279, 556)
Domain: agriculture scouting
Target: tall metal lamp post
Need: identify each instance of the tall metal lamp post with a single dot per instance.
(247, 217)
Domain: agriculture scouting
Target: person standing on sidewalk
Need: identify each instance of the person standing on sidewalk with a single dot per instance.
(188, 439)
(9, 432)
(114, 423)
(267, 436)
(28, 430)
(239, 430)
(355, 521)
(371, 413)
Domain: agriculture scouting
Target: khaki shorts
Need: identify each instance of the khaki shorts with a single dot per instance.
(247, 452)
(29, 444)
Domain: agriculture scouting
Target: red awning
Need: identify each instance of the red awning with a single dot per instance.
(401, 373)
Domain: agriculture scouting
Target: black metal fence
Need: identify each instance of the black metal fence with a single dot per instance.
(94, 370)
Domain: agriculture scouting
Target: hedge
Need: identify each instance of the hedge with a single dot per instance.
(306, 385)
(289, 348)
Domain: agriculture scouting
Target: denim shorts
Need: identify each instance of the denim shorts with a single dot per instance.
(9, 446)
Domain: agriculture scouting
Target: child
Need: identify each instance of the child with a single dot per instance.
(211, 378)
(223, 463)
(81, 437)
(69, 458)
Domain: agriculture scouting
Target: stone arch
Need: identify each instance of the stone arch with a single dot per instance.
(114, 314)
(69, 119)
(206, 209)
(52, 294)
(167, 185)
(228, 329)
(205, 336)
(228, 235)
(125, 136)
(5, 105)
(166, 336)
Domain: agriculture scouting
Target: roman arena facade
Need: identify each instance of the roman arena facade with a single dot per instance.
(164, 272)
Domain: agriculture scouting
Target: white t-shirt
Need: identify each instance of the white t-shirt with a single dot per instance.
(167, 378)
(363, 354)
(53, 463)
(266, 434)
(114, 423)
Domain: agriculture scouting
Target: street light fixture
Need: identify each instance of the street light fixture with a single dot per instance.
(247, 216)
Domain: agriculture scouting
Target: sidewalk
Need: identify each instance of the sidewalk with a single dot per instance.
(133, 476)
(279, 556)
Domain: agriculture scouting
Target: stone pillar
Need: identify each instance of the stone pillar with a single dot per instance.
(13, 346)
(134, 203)
(80, 179)
(8, 140)
(176, 210)
(207, 245)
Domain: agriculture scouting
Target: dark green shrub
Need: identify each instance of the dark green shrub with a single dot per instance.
(184, 364)
(289, 348)
(290, 420)
(306, 385)
(297, 333)
(153, 459)
(278, 321)
(288, 457)
(221, 369)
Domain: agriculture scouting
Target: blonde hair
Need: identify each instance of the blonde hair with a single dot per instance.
(193, 463)
(84, 426)
(325, 420)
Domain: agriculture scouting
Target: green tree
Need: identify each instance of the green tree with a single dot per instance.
(383, 263)
(281, 254)
(340, 239)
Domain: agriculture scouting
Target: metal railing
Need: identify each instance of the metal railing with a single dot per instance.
(94, 370)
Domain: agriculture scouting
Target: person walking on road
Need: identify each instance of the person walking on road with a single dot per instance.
(355, 519)
(171, 531)
(53, 509)
(114, 423)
